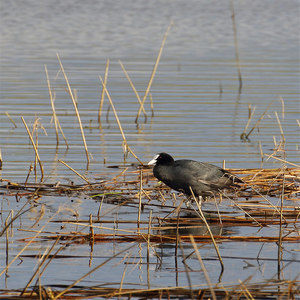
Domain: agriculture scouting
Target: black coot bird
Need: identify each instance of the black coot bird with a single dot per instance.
(181, 175)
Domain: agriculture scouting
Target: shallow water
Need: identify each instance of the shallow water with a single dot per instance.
(198, 112)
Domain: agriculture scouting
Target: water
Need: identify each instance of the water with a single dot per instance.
(198, 110)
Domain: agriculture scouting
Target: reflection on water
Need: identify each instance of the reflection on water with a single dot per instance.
(198, 111)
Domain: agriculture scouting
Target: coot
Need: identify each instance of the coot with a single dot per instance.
(203, 178)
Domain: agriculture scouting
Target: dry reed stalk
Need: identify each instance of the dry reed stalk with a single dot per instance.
(81, 176)
(280, 127)
(209, 231)
(18, 214)
(186, 269)
(213, 294)
(282, 160)
(6, 240)
(76, 110)
(126, 147)
(237, 205)
(35, 150)
(62, 133)
(37, 147)
(246, 292)
(261, 151)
(134, 89)
(151, 105)
(56, 122)
(92, 236)
(29, 242)
(259, 120)
(236, 46)
(122, 279)
(99, 209)
(52, 106)
(140, 199)
(41, 215)
(28, 174)
(279, 243)
(218, 211)
(154, 71)
(51, 258)
(1, 161)
(43, 260)
(103, 92)
(91, 239)
(282, 107)
(91, 271)
(10, 119)
(148, 248)
(243, 136)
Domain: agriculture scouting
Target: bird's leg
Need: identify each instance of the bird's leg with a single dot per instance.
(188, 203)
(200, 200)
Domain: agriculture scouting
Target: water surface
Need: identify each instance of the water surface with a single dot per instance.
(198, 112)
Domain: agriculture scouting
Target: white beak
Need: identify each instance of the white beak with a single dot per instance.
(153, 161)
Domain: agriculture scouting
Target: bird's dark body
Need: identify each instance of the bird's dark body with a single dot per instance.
(183, 175)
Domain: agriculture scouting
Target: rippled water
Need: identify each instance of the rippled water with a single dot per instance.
(198, 110)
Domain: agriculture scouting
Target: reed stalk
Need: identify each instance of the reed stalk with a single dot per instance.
(282, 160)
(148, 248)
(55, 119)
(43, 260)
(7, 240)
(91, 271)
(186, 270)
(280, 127)
(153, 71)
(236, 47)
(52, 106)
(103, 92)
(28, 244)
(209, 231)
(10, 118)
(1, 161)
(151, 105)
(140, 199)
(81, 176)
(35, 150)
(126, 147)
(282, 107)
(134, 89)
(92, 239)
(259, 119)
(206, 275)
(76, 110)
(244, 136)
(122, 280)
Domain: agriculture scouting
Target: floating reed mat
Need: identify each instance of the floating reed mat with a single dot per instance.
(268, 290)
(257, 182)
